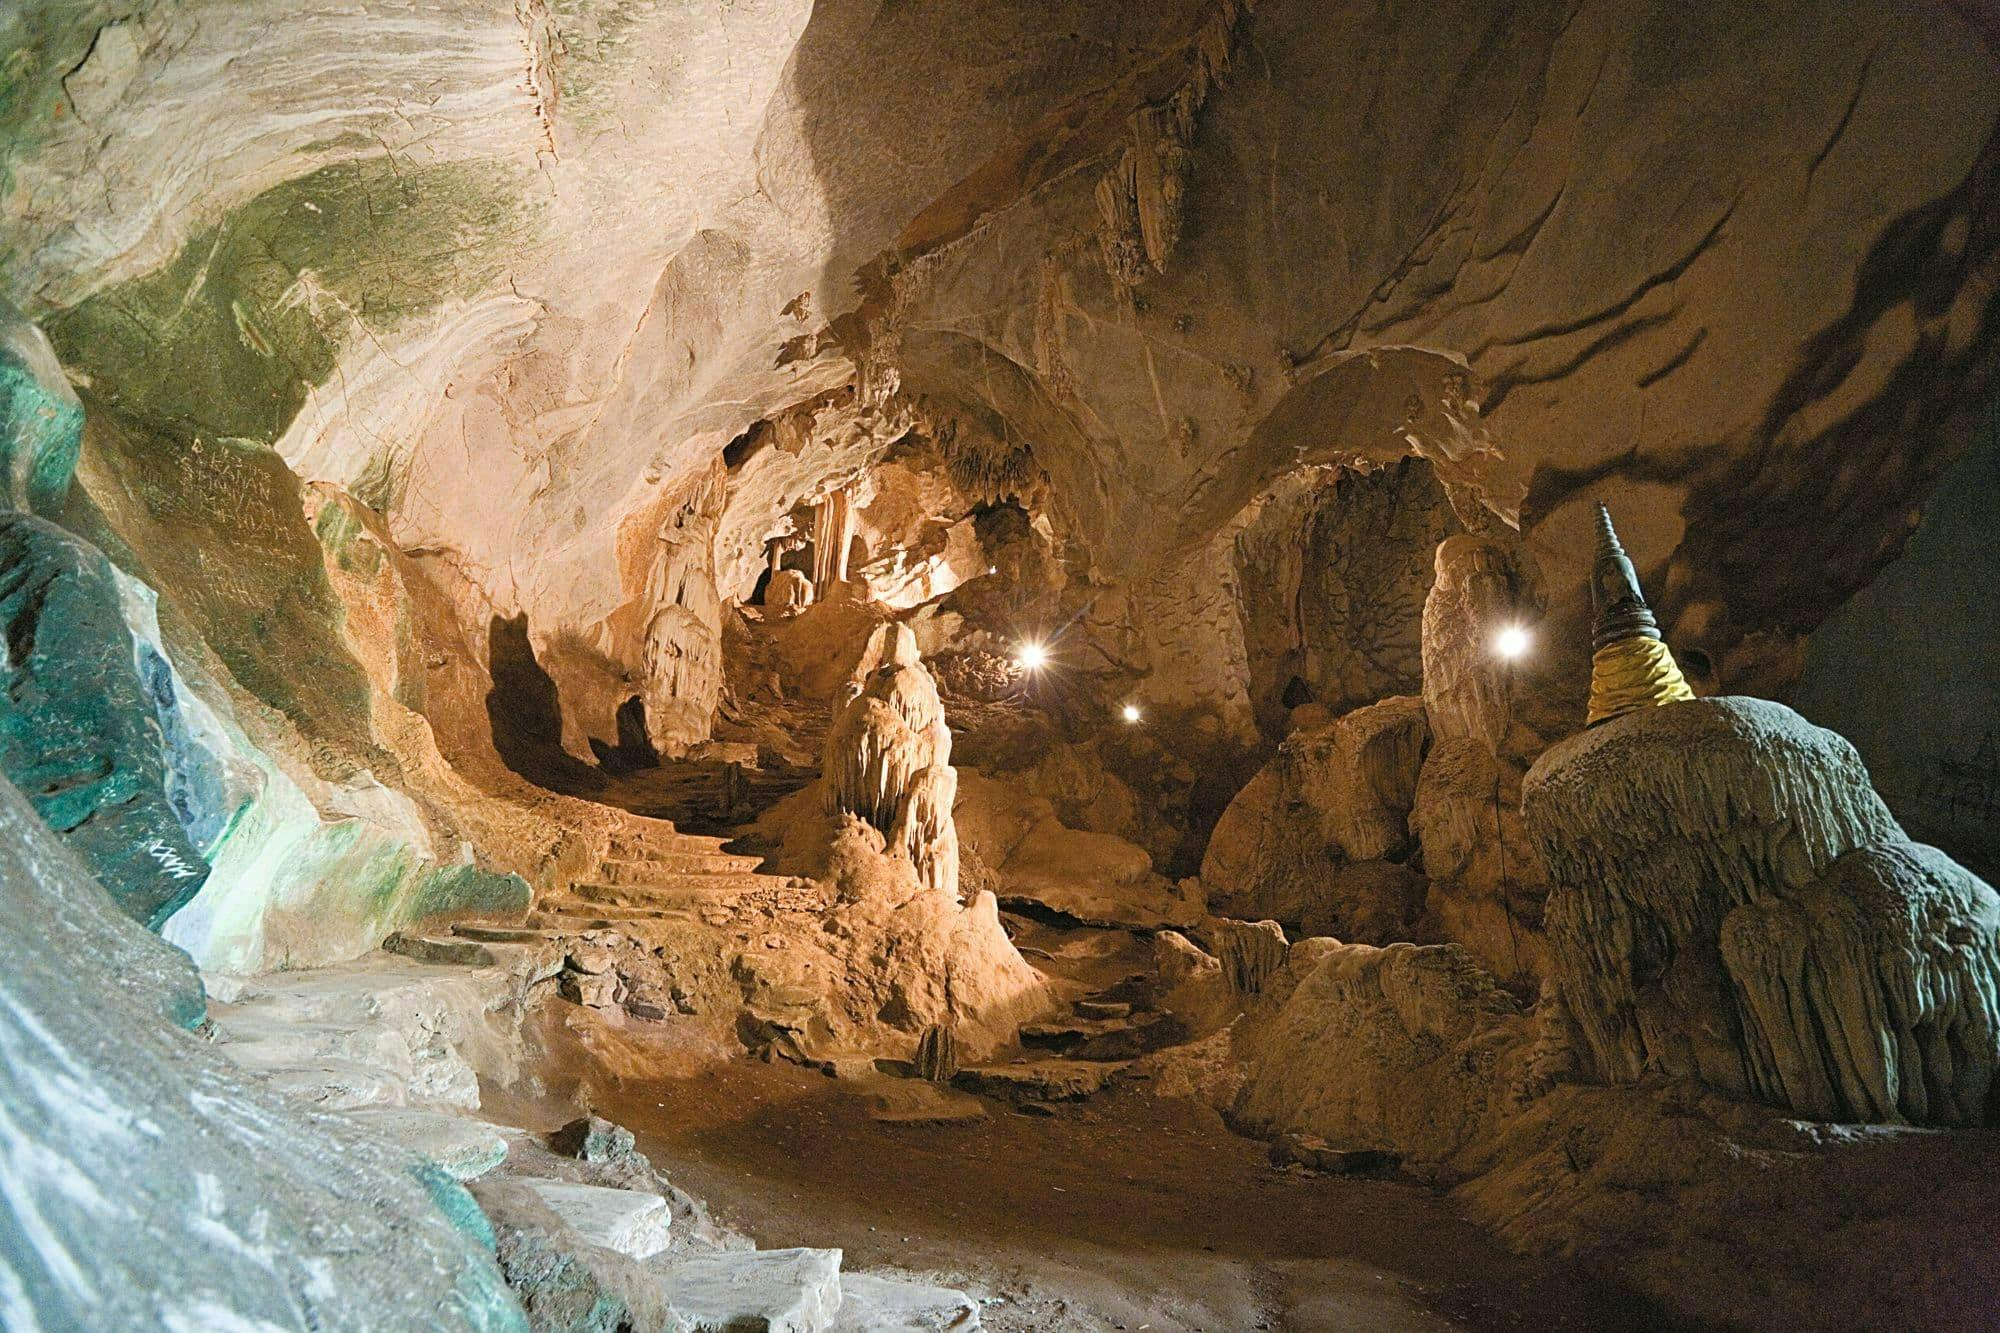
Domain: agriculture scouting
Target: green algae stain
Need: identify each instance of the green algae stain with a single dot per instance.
(233, 334)
(352, 549)
(379, 486)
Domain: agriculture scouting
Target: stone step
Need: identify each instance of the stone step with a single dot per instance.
(428, 949)
(1039, 1080)
(576, 918)
(886, 1303)
(1059, 1034)
(333, 1085)
(774, 1291)
(652, 869)
(640, 841)
(466, 1148)
(1106, 1038)
(713, 885)
(484, 934)
(632, 1222)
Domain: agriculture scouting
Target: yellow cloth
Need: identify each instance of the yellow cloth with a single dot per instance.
(1633, 673)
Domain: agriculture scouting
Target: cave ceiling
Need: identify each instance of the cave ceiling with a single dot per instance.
(510, 272)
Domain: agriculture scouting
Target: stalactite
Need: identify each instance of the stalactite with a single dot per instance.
(1142, 198)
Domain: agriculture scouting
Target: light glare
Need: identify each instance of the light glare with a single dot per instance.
(1511, 642)
(1130, 712)
(1032, 657)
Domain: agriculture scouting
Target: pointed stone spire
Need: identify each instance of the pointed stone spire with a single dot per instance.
(1619, 607)
(1630, 667)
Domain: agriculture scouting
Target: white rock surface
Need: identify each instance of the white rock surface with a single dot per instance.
(780, 1291)
(152, 1183)
(463, 1146)
(632, 1222)
(887, 1303)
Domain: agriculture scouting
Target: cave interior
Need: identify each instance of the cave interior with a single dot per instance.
(856, 666)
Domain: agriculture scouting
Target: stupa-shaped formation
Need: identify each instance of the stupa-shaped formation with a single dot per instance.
(1630, 665)
(1732, 902)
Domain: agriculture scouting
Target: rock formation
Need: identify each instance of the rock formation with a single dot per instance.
(1403, 1048)
(149, 1164)
(1732, 902)
(1336, 792)
(92, 728)
(683, 652)
(888, 758)
(550, 499)
(1485, 887)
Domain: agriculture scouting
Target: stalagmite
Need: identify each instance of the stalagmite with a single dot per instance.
(833, 533)
(888, 758)
(1251, 952)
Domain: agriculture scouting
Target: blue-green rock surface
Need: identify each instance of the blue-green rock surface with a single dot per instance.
(41, 421)
(150, 1183)
(86, 731)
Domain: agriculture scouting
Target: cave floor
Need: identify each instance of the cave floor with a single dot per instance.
(1122, 1213)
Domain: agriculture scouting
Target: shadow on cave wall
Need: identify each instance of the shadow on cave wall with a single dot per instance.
(634, 750)
(1907, 670)
(526, 713)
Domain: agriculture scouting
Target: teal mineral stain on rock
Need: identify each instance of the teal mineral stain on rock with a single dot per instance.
(41, 421)
(455, 1203)
(80, 734)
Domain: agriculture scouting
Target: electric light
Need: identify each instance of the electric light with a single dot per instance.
(1032, 657)
(1512, 642)
(1130, 712)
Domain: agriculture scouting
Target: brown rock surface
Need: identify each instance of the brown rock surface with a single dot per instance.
(1401, 1049)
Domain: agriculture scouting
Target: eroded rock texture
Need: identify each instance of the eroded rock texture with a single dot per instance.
(484, 263)
(145, 1166)
(1732, 902)
(1337, 792)
(1403, 1048)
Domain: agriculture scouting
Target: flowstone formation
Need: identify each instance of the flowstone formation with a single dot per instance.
(888, 758)
(1732, 902)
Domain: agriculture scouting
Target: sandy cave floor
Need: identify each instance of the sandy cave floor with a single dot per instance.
(1125, 1213)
